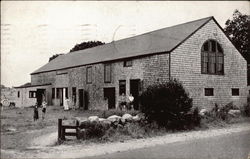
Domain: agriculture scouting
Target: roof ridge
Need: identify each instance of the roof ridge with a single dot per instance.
(79, 51)
(181, 35)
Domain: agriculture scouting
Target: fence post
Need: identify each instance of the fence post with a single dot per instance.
(63, 133)
(77, 129)
(59, 130)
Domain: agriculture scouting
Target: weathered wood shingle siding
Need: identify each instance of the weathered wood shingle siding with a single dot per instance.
(186, 66)
(149, 69)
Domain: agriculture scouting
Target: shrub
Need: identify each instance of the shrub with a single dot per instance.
(94, 129)
(220, 113)
(167, 103)
(246, 108)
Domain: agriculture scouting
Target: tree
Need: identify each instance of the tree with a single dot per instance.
(86, 45)
(2, 86)
(54, 56)
(238, 30)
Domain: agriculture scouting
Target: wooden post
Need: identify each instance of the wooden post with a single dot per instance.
(59, 130)
(63, 133)
(77, 129)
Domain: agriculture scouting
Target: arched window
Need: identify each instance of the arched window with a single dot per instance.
(212, 58)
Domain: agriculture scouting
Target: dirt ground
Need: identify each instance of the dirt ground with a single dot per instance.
(18, 130)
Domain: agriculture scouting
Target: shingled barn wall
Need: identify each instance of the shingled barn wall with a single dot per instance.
(186, 66)
(149, 70)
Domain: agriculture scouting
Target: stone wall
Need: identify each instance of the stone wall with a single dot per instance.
(186, 66)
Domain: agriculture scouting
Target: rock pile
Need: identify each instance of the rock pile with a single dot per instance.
(101, 124)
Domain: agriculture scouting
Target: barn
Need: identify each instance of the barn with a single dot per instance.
(197, 53)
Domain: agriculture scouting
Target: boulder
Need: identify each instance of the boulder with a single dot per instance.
(234, 113)
(136, 118)
(102, 119)
(69, 122)
(81, 119)
(203, 112)
(126, 117)
(93, 118)
(123, 121)
(11, 129)
(106, 121)
(114, 118)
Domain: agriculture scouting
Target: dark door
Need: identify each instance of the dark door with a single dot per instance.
(134, 90)
(40, 95)
(80, 98)
(74, 95)
(86, 100)
(109, 94)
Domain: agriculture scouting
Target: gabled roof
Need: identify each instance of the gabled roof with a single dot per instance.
(163, 40)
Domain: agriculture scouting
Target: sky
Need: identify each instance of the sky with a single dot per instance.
(33, 31)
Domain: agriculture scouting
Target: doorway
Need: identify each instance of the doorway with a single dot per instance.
(40, 96)
(62, 94)
(134, 90)
(80, 92)
(83, 99)
(109, 94)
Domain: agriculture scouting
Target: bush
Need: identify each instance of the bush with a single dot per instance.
(94, 129)
(168, 104)
(220, 113)
(246, 108)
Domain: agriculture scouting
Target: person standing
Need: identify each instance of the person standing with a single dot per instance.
(123, 102)
(44, 106)
(131, 102)
(36, 116)
(66, 104)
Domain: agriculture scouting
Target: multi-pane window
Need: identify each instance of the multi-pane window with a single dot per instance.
(209, 92)
(127, 63)
(32, 94)
(89, 75)
(107, 73)
(122, 87)
(235, 92)
(212, 58)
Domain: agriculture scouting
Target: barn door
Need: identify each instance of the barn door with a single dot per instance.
(109, 94)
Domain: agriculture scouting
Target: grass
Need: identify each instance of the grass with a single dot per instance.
(21, 119)
(26, 129)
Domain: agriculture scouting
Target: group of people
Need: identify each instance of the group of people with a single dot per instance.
(126, 103)
(36, 112)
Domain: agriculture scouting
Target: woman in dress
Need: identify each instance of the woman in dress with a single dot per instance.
(44, 105)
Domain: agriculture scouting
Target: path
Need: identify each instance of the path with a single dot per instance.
(228, 146)
(80, 151)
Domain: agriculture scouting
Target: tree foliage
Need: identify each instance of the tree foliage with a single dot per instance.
(86, 45)
(167, 104)
(238, 30)
(2, 86)
(54, 56)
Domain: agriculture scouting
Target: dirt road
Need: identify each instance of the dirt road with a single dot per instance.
(227, 146)
(102, 150)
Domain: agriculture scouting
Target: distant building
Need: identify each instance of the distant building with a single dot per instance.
(198, 53)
